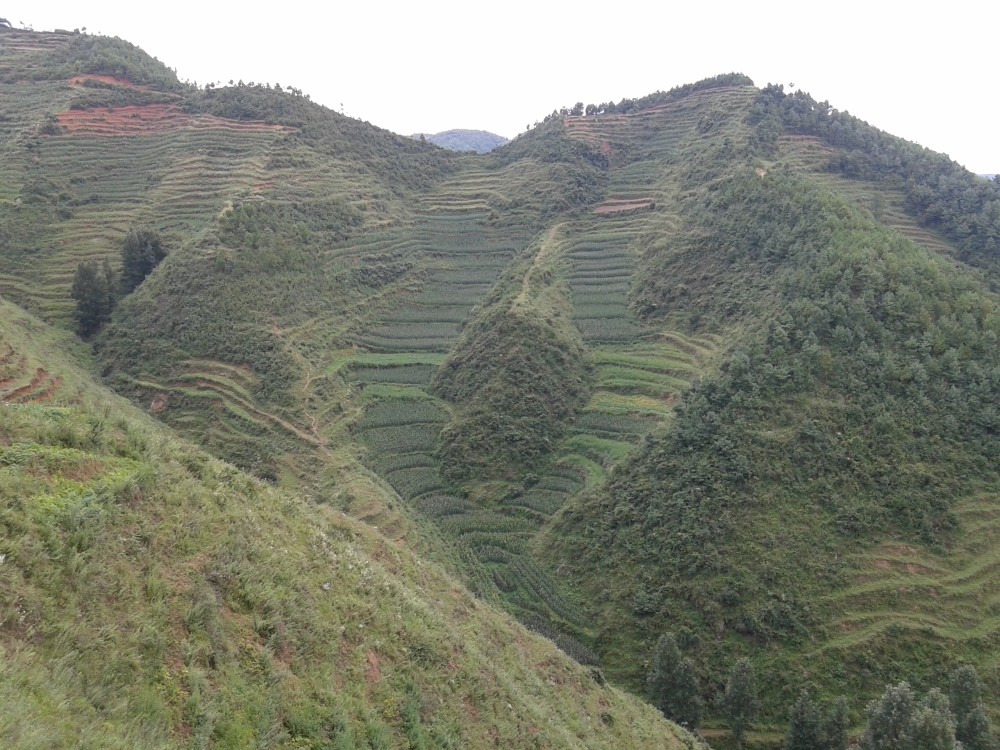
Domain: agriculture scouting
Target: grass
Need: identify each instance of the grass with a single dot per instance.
(166, 598)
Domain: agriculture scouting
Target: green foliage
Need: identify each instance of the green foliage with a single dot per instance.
(400, 164)
(672, 684)
(966, 701)
(656, 99)
(115, 57)
(95, 292)
(517, 376)
(874, 356)
(142, 251)
(940, 192)
(898, 721)
(155, 597)
(811, 728)
(738, 702)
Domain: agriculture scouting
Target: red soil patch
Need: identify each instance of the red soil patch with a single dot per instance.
(151, 119)
(17, 394)
(110, 80)
(42, 396)
(620, 205)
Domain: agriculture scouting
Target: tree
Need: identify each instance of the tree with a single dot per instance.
(142, 251)
(933, 724)
(94, 298)
(972, 726)
(833, 733)
(804, 725)
(890, 720)
(897, 721)
(739, 701)
(673, 684)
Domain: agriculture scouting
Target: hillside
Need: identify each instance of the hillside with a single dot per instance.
(155, 596)
(719, 361)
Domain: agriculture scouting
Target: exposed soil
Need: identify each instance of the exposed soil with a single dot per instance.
(110, 80)
(159, 403)
(38, 397)
(150, 119)
(37, 379)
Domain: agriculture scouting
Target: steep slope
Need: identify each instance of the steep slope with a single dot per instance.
(154, 596)
(853, 414)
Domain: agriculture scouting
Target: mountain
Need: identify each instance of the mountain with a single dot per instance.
(720, 361)
(480, 141)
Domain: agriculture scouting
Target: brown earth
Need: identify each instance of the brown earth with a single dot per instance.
(110, 80)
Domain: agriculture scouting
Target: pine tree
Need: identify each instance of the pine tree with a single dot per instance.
(804, 725)
(687, 695)
(897, 721)
(834, 731)
(93, 299)
(933, 724)
(890, 720)
(142, 251)
(972, 726)
(673, 684)
(739, 701)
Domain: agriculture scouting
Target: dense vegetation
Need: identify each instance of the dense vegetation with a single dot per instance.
(939, 191)
(156, 597)
(861, 403)
(516, 377)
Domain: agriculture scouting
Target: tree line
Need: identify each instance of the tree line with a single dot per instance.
(899, 719)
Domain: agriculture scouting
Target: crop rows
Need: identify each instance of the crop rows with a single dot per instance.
(402, 374)
(543, 502)
(401, 412)
(441, 505)
(462, 258)
(530, 577)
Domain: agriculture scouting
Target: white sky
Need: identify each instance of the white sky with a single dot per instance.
(927, 76)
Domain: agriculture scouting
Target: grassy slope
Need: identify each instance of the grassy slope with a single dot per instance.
(154, 595)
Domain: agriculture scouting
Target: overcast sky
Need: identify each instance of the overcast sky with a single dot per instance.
(431, 66)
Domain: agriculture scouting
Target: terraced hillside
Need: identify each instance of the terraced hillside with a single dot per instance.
(154, 596)
(709, 362)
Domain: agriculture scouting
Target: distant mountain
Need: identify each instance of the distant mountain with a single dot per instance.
(480, 141)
